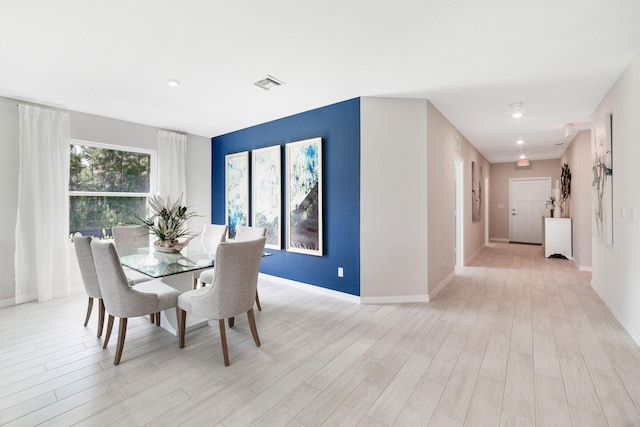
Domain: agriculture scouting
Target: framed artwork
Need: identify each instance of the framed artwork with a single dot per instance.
(602, 180)
(476, 192)
(304, 196)
(237, 191)
(266, 196)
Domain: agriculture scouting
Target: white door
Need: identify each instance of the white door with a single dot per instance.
(527, 202)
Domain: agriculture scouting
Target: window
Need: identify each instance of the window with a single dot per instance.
(108, 185)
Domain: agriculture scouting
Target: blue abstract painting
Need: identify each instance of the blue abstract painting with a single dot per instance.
(267, 193)
(304, 196)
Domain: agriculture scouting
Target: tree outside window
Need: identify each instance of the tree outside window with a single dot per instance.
(107, 186)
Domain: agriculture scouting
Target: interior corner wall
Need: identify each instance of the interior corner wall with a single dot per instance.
(615, 268)
(93, 128)
(578, 158)
(501, 173)
(393, 224)
(442, 137)
(339, 127)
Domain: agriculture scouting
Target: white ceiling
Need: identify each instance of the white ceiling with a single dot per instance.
(471, 58)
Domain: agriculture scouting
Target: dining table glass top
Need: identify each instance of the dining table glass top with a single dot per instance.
(154, 263)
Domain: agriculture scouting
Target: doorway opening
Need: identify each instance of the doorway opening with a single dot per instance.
(458, 212)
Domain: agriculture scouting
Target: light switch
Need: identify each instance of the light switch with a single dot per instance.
(632, 214)
(622, 211)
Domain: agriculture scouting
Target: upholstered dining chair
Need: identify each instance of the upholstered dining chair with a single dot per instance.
(127, 238)
(243, 233)
(231, 294)
(124, 301)
(212, 235)
(82, 245)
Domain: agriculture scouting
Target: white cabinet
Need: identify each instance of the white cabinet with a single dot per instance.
(557, 237)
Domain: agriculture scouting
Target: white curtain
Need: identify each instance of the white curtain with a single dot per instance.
(42, 226)
(172, 161)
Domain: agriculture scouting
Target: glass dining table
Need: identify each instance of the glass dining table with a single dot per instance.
(178, 270)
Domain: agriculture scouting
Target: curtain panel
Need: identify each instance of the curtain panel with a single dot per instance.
(172, 159)
(42, 226)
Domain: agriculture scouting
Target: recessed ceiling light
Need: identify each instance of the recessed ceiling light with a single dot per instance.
(520, 141)
(268, 82)
(516, 110)
(173, 83)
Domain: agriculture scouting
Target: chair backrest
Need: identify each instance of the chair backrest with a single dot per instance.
(82, 246)
(119, 299)
(212, 236)
(235, 280)
(128, 238)
(244, 232)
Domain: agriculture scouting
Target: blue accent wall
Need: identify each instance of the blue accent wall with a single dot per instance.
(339, 127)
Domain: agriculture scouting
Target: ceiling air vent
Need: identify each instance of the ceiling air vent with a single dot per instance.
(268, 83)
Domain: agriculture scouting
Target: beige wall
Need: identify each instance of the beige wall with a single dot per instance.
(441, 152)
(97, 129)
(393, 200)
(499, 203)
(616, 268)
(578, 206)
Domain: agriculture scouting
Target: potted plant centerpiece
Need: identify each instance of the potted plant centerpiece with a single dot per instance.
(168, 222)
(551, 205)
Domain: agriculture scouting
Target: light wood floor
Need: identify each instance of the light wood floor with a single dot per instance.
(514, 340)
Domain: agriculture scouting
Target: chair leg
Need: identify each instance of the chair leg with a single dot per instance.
(231, 321)
(252, 325)
(158, 319)
(100, 316)
(89, 308)
(258, 301)
(109, 328)
(181, 315)
(223, 338)
(122, 332)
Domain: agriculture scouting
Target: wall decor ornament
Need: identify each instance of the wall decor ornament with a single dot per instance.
(237, 191)
(476, 192)
(602, 180)
(266, 195)
(565, 188)
(304, 197)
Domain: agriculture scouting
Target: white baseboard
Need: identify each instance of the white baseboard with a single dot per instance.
(400, 299)
(441, 286)
(498, 239)
(474, 254)
(312, 288)
(7, 302)
(583, 267)
(623, 320)
(392, 299)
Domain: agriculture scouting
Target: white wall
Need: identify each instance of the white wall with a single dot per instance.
(393, 200)
(97, 129)
(578, 158)
(616, 270)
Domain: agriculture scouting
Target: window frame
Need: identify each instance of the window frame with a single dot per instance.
(153, 154)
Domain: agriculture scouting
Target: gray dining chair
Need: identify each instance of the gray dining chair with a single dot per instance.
(128, 238)
(231, 294)
(212, 235)
(124, 301)
(82, 245)
(243, 233)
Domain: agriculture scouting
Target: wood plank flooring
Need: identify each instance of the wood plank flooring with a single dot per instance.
(514, 340)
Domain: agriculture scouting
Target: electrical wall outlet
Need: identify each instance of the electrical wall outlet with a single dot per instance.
(340, 272)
